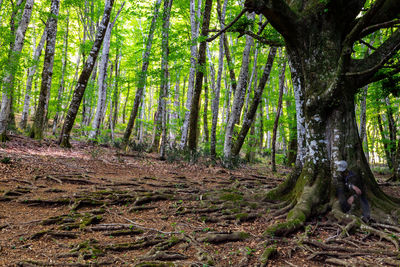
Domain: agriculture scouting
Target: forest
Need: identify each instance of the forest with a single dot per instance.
(199, 133)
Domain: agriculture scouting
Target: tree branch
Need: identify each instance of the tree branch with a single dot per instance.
(373, 28)
(387, 13)
(380, 76)
(279, 14)
(228, 27)
(367, 44)
(262, 39)
(257, 37)
(363, 70)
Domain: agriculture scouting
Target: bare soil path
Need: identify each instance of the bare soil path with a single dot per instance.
(96, 206)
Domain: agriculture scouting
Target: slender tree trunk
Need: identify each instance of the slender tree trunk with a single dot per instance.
(29, 79)
(206, 133)
(194, 24)
(278, 113)
(175, 113)
(47, 74)
(261, 131)
(9, 75)
(250, 115)
(363, 122)
(126, 101)
(392, 130)
(164, 78)
(84, 77)
(253, 78)
(116, 89)
(216, 93)
(300, 119)
(194, 111)
(102, 88)
(385, 142)
(142, 75)
(238, 100)
(61, 88)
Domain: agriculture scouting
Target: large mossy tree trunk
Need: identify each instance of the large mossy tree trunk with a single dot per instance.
(319, 39)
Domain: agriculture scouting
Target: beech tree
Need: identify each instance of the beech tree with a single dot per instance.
(47, 73)
(10, 68)
(320, 37)
(84, 77)
(102, 92)
(142, 74)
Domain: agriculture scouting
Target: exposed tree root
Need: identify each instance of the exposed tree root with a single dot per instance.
(216, 238)
(30, 263)
(165, 256)
(54, 234)
(139, 244)
(268, 253)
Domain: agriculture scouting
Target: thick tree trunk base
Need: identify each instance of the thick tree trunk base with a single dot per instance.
(64, 142)
(35, 133)
(309, 195)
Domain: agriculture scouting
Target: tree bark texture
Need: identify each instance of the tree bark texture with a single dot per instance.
(195, 15)
(277, 116)
(164, 76)
(61, 88)
(216, 93)
(13, 61)
(29, 79)
(102, 85)
(195, 106)
(84, 77)
(47, 73)
(250, 115)
(142, 74)
(238, 99)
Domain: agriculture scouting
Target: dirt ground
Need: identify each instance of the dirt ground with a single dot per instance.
(96, 206)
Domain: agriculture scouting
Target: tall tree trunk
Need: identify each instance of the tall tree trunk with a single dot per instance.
(116, 89)
(13, 62)
(164, 82)
(385, 142)
(102, 88)
(261, 131)
(195, 106)
(142, 75)
(300, 120)
(29, 79)
(126, 101)
(363, 122)
(194, 25)
(61, 88)
(392, 130)
(47, 73)
(216, 93)
(250, 115)
(278, 113)
(206, 133)
(84, 77)
(238, 100)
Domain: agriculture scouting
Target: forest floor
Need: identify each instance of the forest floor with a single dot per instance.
(96, 206)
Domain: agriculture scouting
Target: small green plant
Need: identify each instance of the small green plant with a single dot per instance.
(5, 160)
(250, 251)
